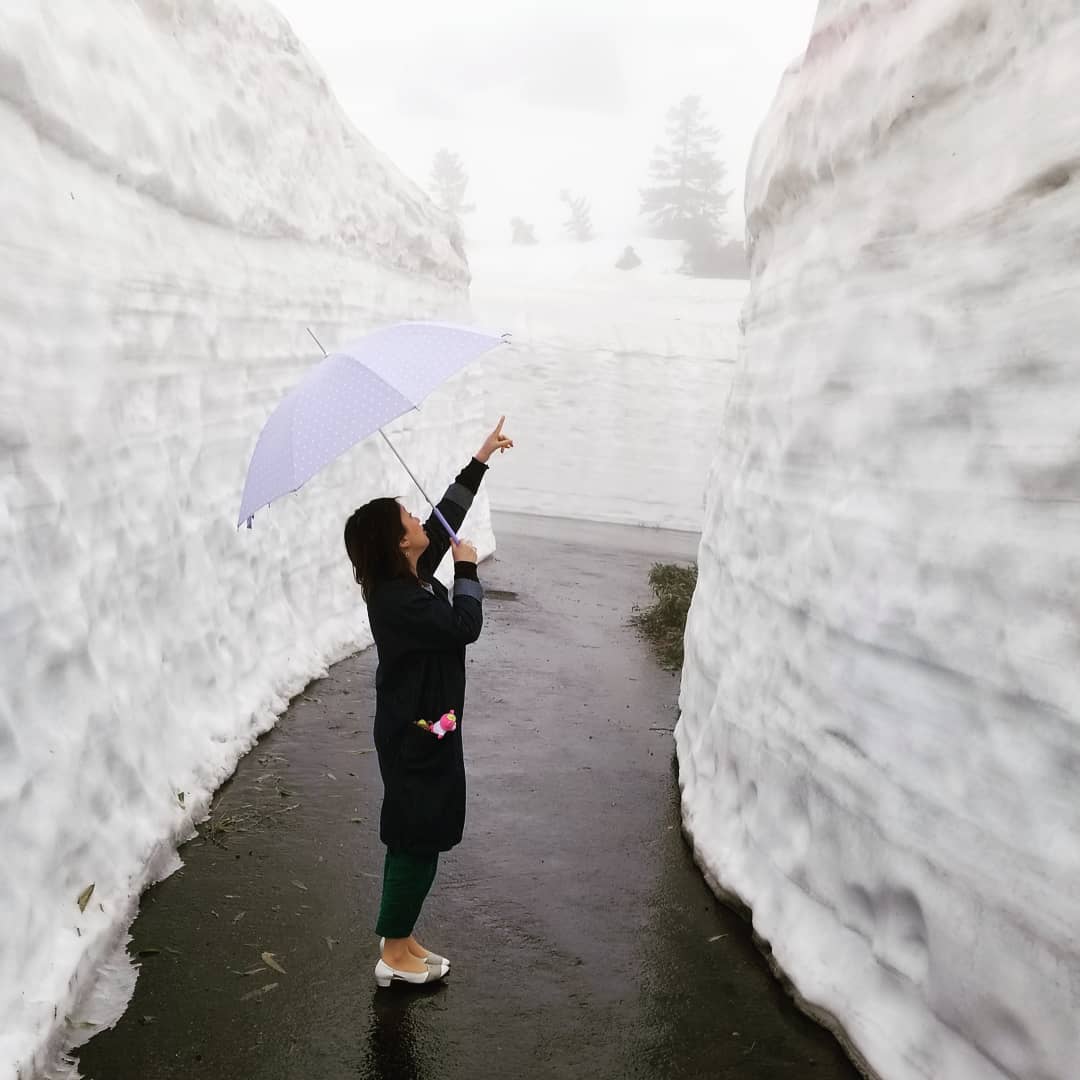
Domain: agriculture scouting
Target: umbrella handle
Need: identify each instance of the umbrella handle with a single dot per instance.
(442, 521)
(445, 524)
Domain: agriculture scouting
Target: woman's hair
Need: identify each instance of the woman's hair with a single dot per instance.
(373, 536)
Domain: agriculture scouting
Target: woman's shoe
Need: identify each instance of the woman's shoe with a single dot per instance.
(385, 974)
(434, 959)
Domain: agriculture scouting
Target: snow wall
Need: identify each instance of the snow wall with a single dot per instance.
(880, 734)
(181, 198)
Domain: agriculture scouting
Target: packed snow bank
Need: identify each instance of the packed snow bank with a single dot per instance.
(880, 734)
(213, 108)
(180, 200)
(614, 382)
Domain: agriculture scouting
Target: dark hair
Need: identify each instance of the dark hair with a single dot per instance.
(373, 536)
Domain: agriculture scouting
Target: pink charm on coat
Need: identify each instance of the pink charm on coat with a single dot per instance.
(444, 725)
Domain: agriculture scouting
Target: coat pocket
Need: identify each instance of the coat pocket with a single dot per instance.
(423, 752)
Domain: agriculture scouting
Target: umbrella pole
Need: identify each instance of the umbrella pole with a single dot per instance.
(442, 521)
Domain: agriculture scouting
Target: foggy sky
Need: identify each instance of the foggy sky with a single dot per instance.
(538, 97)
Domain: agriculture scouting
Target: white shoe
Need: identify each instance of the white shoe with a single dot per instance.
(385, 974)
(434, 959)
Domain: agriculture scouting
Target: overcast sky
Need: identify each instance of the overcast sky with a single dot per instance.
(537, 97)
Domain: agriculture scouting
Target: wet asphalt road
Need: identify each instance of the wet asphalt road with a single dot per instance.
(583, 939)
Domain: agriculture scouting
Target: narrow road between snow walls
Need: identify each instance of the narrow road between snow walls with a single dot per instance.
(583, 939)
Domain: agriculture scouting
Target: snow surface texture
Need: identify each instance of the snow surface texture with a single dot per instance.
(615, 381)
(168, 229)
(880, 736)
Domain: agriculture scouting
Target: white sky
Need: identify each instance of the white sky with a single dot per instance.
(536, 97)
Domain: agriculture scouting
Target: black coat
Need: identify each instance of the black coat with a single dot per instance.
(421, 634)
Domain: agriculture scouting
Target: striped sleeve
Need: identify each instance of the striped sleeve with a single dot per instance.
(454, 505)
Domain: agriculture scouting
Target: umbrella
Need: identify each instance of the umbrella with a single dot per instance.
(350, 395)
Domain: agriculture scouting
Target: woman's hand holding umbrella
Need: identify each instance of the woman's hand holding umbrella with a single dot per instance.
(463, 551)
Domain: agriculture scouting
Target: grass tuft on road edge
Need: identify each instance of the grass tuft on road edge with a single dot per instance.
(664, 621)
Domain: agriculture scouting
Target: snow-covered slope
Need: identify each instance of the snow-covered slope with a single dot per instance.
(880, 737)
(614, 382)
(180, 198)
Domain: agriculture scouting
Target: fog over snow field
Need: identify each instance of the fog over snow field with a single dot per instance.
(880, 735)
(615, 383)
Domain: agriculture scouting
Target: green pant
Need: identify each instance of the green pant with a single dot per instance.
(406, 881)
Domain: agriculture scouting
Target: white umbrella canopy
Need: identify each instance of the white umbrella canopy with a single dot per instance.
(350, 395)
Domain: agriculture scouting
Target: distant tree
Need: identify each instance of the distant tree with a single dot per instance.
(457, 239)
(687, 200)
(709, 256)
(523, 232)
(628, 260)
(449, 181)
(579, 223)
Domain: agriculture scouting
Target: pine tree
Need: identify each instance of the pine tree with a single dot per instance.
(579, 223)
(710, 256)
(449, 182)
(523, 232)
(687, 201)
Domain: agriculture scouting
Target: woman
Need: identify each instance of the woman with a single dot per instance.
(420, 634)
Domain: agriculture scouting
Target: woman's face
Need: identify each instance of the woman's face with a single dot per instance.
(415, 536)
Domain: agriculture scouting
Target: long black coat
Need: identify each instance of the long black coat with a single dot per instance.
(421, 634)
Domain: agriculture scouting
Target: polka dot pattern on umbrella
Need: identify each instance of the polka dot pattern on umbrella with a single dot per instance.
(350, 395)
(415, 358)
